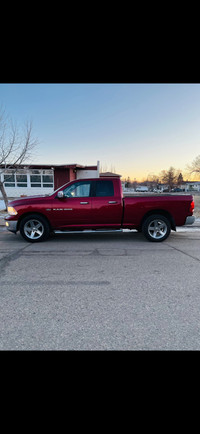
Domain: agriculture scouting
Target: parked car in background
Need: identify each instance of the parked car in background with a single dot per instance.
(142, 189)
(177, 189)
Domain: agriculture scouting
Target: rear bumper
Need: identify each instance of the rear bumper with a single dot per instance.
(11, 225)
(190, 220)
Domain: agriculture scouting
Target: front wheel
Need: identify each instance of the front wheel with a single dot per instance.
(34, 228)
(156, 228)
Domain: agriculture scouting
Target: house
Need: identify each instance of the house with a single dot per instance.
(36, 179)
(192, 186)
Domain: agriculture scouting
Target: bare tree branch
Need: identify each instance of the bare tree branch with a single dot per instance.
(194, 167)
(15, 147)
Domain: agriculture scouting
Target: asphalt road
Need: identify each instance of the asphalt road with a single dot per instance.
(97, 291)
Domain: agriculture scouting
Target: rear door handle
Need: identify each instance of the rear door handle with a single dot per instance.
(112, 201)
(84, 203)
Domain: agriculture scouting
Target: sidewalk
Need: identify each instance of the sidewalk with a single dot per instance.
(2, 215)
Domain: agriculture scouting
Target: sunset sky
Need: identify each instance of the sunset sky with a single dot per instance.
(135, 129)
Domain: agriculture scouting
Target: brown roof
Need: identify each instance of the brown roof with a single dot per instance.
(109, 174)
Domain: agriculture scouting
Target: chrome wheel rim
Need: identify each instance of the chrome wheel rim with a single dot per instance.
(157, 229)
(33, 229)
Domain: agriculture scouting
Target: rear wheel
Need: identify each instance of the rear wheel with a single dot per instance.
(34, 228)
(156, 228)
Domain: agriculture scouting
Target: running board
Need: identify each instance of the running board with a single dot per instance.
(88, 231)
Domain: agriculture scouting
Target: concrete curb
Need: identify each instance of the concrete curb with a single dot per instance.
(2, 215)
(2, 221)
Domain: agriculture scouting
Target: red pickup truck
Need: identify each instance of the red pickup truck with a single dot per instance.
(98, 204)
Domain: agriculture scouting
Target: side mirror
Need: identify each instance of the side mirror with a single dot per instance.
(60, 194)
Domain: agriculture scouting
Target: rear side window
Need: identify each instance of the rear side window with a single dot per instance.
(104, 188)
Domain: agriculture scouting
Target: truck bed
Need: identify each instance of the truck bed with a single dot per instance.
(135, 207)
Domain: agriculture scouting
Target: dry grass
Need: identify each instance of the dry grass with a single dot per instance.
(196, 196)
(197, 205)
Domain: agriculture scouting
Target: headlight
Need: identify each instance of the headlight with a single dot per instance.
(11, 210)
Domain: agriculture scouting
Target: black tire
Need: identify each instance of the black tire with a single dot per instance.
(156, 228)
(34, 228)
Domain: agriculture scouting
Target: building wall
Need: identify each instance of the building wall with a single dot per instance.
(72, 174)
(17, 191)
(31, 182)
(80, 174)
(61, 177)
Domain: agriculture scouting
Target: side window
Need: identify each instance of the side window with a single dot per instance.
(104, 188)
(78, 189)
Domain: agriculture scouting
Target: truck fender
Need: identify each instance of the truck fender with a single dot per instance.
(161, 212)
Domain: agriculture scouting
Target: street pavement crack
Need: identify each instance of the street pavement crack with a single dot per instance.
(184, 253)
(5, 261)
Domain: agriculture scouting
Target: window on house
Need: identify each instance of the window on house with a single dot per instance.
(9, 180)
(47, 180)
(36, 171)
(21, 180)
(35, 180)
(41, 178)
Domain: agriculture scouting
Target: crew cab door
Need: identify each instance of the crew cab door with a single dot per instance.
(74, 209)
(107, 205)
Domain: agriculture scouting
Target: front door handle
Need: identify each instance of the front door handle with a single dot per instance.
(112, 201)
(84, 203)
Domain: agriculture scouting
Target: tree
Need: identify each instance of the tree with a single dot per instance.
(194, 167)
(169, 177)
(128, 183)
(104, 168)
(152, 180)
(179, 180)
(15, 147)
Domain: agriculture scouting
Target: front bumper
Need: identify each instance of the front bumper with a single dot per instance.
(11, 225)
(190, 220)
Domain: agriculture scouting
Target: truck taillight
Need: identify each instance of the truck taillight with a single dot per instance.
(192, 206)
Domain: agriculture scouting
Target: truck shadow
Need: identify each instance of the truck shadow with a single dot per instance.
(101, 237)
(75, 237)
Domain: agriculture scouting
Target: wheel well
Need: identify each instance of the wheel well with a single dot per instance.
(31, 213)
(161, 212)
